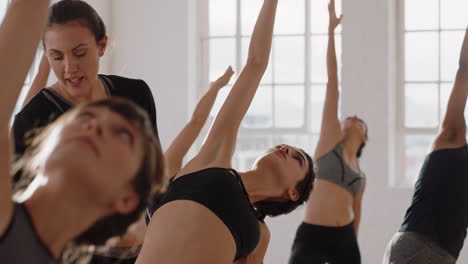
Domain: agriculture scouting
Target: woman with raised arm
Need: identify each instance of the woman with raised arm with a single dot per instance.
(329, 231)
(74, 40)
(82, 192)
(435, 224)
(211, 213)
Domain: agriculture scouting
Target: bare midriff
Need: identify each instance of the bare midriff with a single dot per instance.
(329, 205)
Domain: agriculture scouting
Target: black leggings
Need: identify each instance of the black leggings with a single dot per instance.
(321, 244)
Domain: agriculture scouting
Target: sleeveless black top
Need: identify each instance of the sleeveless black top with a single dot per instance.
(20, 244)
(222, 191)
(439, 209)
(47, 105)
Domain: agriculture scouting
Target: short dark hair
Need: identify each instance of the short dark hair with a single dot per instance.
(304, 188)
(67, 11)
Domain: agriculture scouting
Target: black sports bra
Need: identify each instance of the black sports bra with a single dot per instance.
(21, 244)
(222, 191)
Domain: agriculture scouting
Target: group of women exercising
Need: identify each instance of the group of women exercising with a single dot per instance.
(84, 179)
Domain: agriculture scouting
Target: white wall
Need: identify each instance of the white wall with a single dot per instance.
(154, 40)
(150, 42)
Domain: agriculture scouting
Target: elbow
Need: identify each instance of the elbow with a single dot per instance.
(256, 63)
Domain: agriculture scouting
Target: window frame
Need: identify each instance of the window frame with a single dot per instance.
(400, 178)
(308, 35)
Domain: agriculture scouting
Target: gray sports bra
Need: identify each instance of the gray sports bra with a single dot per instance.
(20, 243)
(332, 168)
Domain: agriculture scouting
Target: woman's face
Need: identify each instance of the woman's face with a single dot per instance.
(98, 152)
(354, 124)
(287, 166)
(73, 55)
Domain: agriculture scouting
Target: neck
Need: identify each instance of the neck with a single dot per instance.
(71, 215)
(351, 146)
(96, 92)
(258, 188)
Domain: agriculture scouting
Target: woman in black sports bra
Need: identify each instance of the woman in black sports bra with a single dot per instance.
(329, 231)
(434, 228)
(211, 213)
(94, 169)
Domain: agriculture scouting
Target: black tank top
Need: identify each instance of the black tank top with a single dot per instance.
(222, 191)
(439, 209)
(20, 243)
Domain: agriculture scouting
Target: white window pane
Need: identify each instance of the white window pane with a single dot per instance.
(421, 105)
(288, 59)
(317, 98)
(421, 56)
(222, 54)
(3, 7)
(445, 90)
(249, 13)
(416, 149)
(268, 76)
(302, 141)
(290, 17)
(318, 64)
(260, 111)
(319, 15)
(289, 106)
(421, 14)
(222, 17)
(453, 14)
(450, 53)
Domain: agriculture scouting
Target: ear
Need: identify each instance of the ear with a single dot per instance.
(293, 195)
(102, 45)
(127, 203)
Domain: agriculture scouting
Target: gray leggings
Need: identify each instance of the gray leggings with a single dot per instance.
(412, 248)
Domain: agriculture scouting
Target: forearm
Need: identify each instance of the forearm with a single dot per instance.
(204, 106)
(260, 44)
(455, 118)
(332, 65)
(20, 33)
(185, 139)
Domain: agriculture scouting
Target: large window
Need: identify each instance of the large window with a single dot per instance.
(432, 33)
(3, 7)
(288, 105)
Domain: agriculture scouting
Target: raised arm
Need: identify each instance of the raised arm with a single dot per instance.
(453, 130)
(330, 132)
(20, 33)
(40, 81)
(220, 143)
(184, 140)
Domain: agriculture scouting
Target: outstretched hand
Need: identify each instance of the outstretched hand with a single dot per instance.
(334, 20)
(223, 80)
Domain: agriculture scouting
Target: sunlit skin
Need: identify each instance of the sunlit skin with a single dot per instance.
(73, 55)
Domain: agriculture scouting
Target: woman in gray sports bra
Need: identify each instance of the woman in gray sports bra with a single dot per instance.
(328, 233)
(79, 183)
